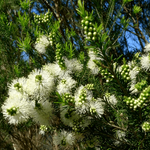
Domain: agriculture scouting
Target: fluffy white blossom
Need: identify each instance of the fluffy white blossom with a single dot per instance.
(39, 82)
(66, 84)
(17, 85)
(121, 136)
(73, 64)
(16, 108)
(68, 115)
(96, 108)
(147, 47)
(64, 138)
(55, 70)
(133, 89)
(42, 114)
(145, 62)
(133, 73)
(91, 65)
(82, 106)
(112, 99)
(41, 44)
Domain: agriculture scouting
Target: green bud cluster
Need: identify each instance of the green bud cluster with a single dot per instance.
(51, 37)
(140, 102)
(63, 142)
(41, 18)
(43, 128)
(89, 29)
(68, 97)
(82, 97)
(146, 126)
(125, 72)
(107, 75)
(18, 87)
(89, 86)
(38, 78)
(77, 125)
(69, 113)
(131, 102)
(93, 111)
(12, 111)
(59, 57)
(144, 96)
(140, 85)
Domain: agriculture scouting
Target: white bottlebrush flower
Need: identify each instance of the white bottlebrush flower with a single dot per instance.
(147, 47)
(133, 73)
(82, 107)
(91, 65)
(71, 118)
(17, 85)
(66, 84)
(43, 113)
(64, 139)
(145, 62)
(112, 99)
(39, 82)
(68, 115)
(55, 70)
(16, 108)
(133, 89)
(73, 64)
(41, 44)
(96, 108)
(120, 134)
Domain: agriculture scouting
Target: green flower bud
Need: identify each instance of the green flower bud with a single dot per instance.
(86, 18)
(90, 28)
(90, 33)
(85, 28)
(86, 22)
(93, 38)
(94, 33)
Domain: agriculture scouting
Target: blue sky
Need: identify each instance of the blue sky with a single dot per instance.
(132, 40)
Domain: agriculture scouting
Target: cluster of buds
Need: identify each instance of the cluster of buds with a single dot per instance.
(77, 125)
(146, 126)
(43, 18)
(82, 97)
(51, 37)
(125, 72)
(43, 128)
(141, 101)
(12, 111)
(89, 86)
(59, 57)
(68, 98)
(89, 29)
(140, 85)
(107, 75)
